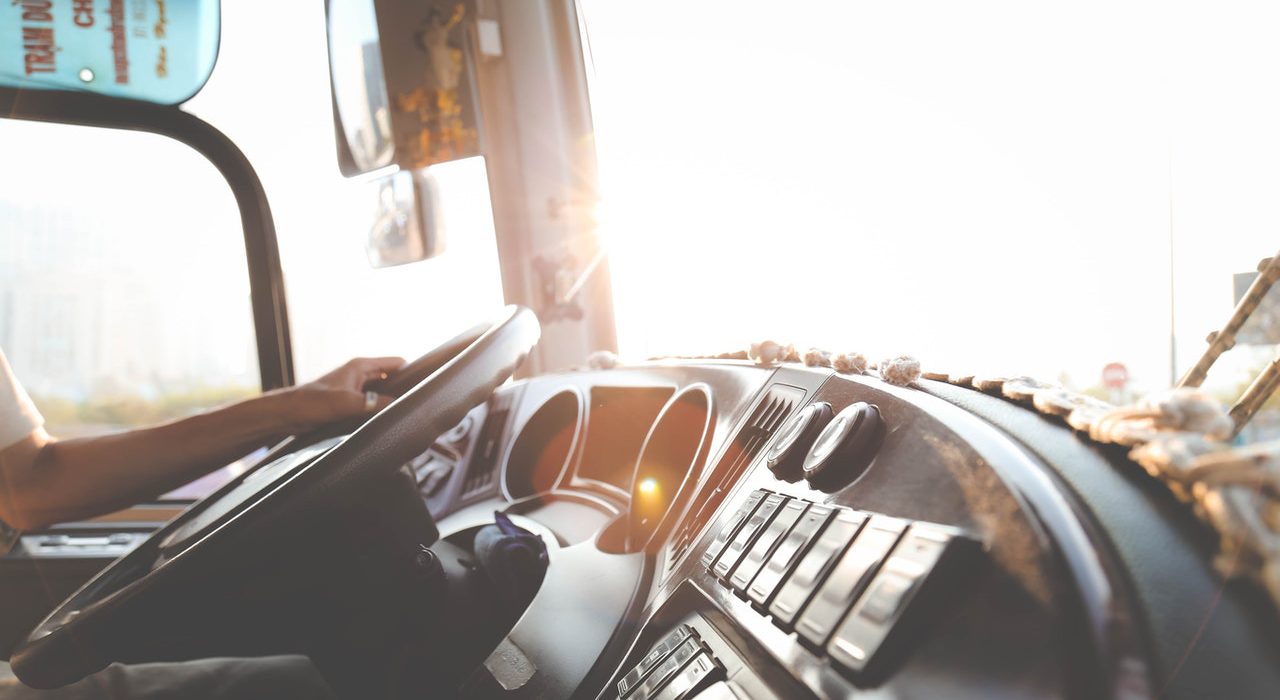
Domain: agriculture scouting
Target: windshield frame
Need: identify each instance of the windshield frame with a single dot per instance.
(266, 279)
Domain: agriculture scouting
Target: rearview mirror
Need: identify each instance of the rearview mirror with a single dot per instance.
(408, 226)
(402, 78)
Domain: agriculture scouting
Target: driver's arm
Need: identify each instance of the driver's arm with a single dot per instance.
(44, 480)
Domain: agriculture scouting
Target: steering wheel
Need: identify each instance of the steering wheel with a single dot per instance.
(193, 552)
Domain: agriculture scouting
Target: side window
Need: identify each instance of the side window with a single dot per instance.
(124, 295)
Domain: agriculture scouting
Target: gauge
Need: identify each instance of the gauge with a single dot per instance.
(786, 457)
(544, 446)
(670, 461)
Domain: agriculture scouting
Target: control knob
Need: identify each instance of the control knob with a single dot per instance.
(786, 457)
(844, 449)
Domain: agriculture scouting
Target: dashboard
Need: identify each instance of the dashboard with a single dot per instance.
(719, 529)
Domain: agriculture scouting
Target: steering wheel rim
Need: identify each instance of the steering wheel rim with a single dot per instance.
(71, 642)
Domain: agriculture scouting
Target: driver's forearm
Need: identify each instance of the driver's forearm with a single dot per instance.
(80, 478)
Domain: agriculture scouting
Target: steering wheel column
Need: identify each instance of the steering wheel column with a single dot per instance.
(355, 589)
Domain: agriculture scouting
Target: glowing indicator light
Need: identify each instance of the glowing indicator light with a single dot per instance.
(648, 486)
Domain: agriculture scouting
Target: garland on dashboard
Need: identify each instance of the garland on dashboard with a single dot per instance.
(1178, 437)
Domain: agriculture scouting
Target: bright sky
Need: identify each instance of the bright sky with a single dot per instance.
(990, 186)
(147, 193)
(985, 185)
(280, 114)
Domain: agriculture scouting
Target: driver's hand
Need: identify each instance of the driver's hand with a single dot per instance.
(337, 395)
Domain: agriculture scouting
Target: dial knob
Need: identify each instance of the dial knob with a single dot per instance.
(786, 457)
(845, 448)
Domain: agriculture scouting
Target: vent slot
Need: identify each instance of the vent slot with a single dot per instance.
(770, 412)
(482, 471)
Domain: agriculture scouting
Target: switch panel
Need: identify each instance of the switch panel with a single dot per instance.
(735, 522)
(903, 575)
(765, 543)
(700, 672)
(650, 660)
(666, 669)
(841, 579)
(813, 568)
(679, 666)
(788, 553)
(848, 579)
(758, 521)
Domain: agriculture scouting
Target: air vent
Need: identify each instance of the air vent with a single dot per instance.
(482, 470)
(770, 412)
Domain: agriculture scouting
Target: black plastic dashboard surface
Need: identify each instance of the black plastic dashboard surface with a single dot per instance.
(996, 573)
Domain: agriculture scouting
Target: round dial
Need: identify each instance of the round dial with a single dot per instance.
(786, 457)
(844, 449)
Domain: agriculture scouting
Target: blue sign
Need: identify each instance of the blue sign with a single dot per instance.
(154, 50)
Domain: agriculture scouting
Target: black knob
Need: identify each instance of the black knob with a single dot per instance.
(429, 572)
(786, 457)
(845, 448)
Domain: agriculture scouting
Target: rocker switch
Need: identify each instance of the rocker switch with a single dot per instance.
(735, 521)
(758, 521)
(848, 579)
(915, 562)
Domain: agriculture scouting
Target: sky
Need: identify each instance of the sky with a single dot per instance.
(280, 114)
(171, 218)
(990, 186)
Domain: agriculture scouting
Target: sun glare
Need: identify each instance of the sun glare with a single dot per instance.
(887, 179)
(648, 486)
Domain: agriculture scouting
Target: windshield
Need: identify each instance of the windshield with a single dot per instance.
(340, 307)
(115, 311)
(124, 292)
(994, 187)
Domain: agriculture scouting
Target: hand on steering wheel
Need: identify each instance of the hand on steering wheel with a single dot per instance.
(275, 509)
(338, 395)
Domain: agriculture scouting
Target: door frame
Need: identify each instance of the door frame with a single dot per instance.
(262, 254)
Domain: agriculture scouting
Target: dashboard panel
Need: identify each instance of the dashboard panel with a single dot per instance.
(728, 530)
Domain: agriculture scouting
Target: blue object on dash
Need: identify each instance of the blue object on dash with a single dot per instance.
(514, 559)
